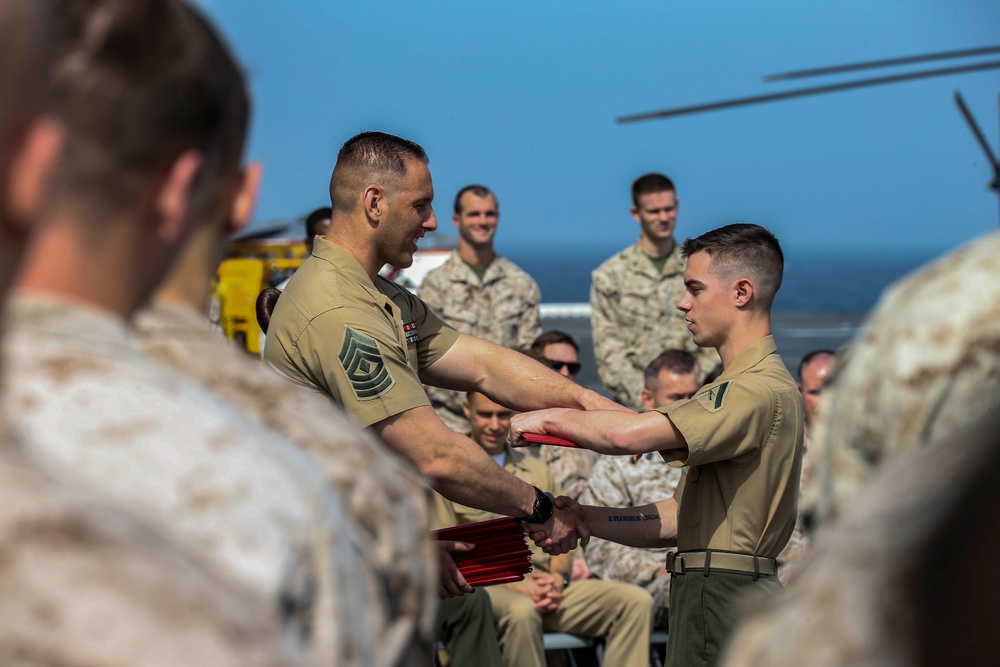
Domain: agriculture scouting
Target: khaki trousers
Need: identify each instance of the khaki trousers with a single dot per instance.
(594, 608)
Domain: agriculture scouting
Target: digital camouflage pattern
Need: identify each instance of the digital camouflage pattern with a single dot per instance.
(634, 317)
(98, 415)
(571, 467)
(502, 308)
(926, 362)
(85, 583)
(385, 497)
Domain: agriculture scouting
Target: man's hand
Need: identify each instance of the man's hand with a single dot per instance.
(581, 570)
(548, 592)
(563, 531)
(525, 422)
(451, 582)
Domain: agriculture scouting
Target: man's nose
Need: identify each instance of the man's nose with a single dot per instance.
(682, 304)
(432, 222)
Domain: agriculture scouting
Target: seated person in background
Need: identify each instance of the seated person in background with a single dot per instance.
(547, 601)
(618, 481)
(570, 467)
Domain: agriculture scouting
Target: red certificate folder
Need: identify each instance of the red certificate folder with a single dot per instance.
(501, 555)
(548, 440)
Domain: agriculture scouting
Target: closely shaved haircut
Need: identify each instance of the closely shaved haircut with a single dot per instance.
(137, 84)
(366, 158)
(743, 251)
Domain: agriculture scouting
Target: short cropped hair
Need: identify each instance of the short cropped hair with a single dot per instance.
(479, 191)
(137, 84)
(553, 337)
(316, 217)
(743, 250)
(806, 360)
(649, 184)
(681, 362)
(365, 157)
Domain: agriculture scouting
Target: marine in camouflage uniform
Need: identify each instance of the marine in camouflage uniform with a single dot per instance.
(633, 317)
(496, 300)
(99, 416)
(924, 364)
(385, 497)
(617, 482)
(83, 582)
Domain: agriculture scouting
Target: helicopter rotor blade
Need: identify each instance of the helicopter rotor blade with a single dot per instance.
(974, 126)
(888, 62)
(805, 92)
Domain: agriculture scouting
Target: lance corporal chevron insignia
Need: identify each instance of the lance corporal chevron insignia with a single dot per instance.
(362, 361)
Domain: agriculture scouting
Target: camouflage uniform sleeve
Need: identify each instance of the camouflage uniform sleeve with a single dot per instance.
(431, 290)
(115, 590)
(530, 326)
(615, 361)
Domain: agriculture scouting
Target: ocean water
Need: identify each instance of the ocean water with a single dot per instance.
(815, 281)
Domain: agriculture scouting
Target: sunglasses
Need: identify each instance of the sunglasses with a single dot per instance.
(572, 366)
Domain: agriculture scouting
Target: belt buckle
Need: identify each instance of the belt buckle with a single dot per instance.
(672, 563)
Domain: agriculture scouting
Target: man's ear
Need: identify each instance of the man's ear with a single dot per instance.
(465, 407)
(647, 399)
(634, 210)
(173, 202)
(743, 291)
(245, 199)
(30, 169)
(455, 220)
(373, 199)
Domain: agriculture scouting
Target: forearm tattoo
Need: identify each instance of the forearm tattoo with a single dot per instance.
(631, 517)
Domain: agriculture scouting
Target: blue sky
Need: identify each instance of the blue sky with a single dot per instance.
(522, 97)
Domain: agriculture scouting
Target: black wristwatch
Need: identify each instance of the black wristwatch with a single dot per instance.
(543, 508)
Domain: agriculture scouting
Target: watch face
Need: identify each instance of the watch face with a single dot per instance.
(543, 506)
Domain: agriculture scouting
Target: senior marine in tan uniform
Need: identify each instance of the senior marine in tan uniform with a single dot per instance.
(73, 562)
(739, 439)
(342, 330)
(138, 164)
(632, 295)
(479, 292)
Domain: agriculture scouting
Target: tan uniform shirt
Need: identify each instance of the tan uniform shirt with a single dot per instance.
(924, 364)
(617, 482)
(99, 415)
(386, 498)
(634, 318)
(744, 437)
(86, 583)
(501, 308)
(361, 343)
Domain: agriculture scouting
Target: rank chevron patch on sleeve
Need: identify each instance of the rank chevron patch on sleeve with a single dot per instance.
(363, 363)
(713, 399)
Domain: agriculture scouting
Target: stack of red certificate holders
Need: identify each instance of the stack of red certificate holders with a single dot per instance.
(501, 555)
